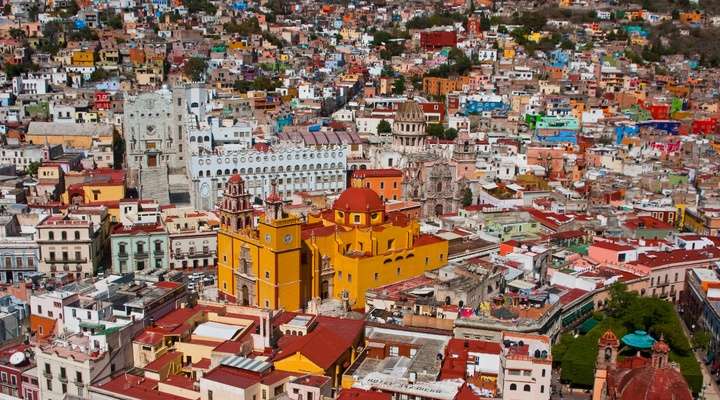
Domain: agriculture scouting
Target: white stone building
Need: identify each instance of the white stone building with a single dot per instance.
(294, 167)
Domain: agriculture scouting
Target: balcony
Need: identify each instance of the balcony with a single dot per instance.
(47, 374)
(123, 255)
(141, 254)
(66, 260)
(200, 254)
(79, 384)
(63, 379)
(159, 252)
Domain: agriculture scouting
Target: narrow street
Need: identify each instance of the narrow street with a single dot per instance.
(710, 388)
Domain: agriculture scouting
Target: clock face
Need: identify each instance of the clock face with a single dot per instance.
(267, 237)
(287, 238)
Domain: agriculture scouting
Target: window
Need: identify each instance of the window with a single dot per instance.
(51, 235)
(267, 275)
(542, 388)
(543, 373)
(13, 380)
(309, 396)
(526, 388)
(63, 235)
(77, 235)
(210, 395)
(49, 384)
(63, 372)
(356, 219)
(264, 394)
(349, 277)
(64, 388)
(513, 386)
(676, 277)
(394, 351)
(3, 377)
(78, 377)
(377, 276)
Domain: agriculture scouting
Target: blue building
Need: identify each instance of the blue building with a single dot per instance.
(623, 131)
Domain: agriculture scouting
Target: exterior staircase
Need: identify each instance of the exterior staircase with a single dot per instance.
(154, 184)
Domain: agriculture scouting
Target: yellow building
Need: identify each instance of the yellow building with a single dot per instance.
(69, 134)
(83, 58)
(258, 265)
(338, 254)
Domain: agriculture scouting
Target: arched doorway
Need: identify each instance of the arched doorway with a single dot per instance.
(438, 209)
(325, 289)
(245, 292)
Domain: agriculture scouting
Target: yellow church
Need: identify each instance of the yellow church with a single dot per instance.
(283, 262)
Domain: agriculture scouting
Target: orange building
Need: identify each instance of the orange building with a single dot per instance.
(434, 86)
(387, 183)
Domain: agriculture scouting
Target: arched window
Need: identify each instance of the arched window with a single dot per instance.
(526, 388)
(63, 235)
(513, 386)
(201, 174)
(77, 235)
(218, 172)
(227, 172)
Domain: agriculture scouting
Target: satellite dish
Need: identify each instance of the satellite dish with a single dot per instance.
(17, 358)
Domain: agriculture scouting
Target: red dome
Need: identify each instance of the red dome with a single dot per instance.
(235, 179)
(648, 382)
(359, 200)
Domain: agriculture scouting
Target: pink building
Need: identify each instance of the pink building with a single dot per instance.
(667, 269)
(604, 251)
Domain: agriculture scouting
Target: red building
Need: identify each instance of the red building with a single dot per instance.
(706, 126)
(433, 40)
(102, 101)
(15, 361)
(434, 111)
(659, 111)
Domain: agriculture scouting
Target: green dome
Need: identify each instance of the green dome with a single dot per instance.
(639, 340)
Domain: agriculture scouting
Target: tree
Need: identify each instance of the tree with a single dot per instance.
(467, 197)
(195, 68)
(450, 134)
(17, 34)
(620, 298)
(399, 85)
(701, 339)
(32, 168)
(436, 130)
(384, 127)
(100, 74)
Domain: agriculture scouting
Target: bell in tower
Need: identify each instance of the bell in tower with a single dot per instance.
(235, 208)
(273, 205)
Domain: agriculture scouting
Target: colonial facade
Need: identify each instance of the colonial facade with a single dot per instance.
(339, 253)
(258, 263)
(193, 237)
(73, 244)
(293, 168)
(435, 174)
(19, 254)
(154, 127)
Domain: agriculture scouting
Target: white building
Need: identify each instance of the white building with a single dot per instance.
(525, 367)
(22, 85)
(295, 168)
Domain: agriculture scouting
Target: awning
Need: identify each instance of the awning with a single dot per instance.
(587, 326)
